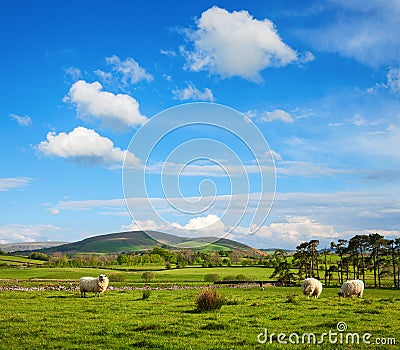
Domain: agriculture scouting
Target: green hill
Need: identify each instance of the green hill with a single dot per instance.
(140, 241)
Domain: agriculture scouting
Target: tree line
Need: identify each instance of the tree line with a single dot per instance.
(353, 259)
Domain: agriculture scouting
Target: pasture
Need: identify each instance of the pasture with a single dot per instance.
(120, 319)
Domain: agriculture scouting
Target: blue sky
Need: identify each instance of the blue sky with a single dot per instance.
(319, 79)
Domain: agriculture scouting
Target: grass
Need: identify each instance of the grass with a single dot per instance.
(19, 260)
(190, 274)
(120, 320)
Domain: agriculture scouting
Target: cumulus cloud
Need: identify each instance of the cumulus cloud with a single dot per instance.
(14, 183)
(277, 114)
(114, 111)
(129, 70)
(86, 147)
(288, 233)
(192, 93)
(26, 233)
(236, 44)
(22, 121)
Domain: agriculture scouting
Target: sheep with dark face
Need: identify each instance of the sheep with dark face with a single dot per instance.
(311, 287)
(352, 287)
(95, 285)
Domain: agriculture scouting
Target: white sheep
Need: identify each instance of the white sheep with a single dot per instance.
(95, 285)
(352, 287)
(311, 287)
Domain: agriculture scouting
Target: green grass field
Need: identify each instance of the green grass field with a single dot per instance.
(167, 320)
(120, 319)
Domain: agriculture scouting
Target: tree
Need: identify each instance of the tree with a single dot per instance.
(375, 241)
(236, 257)
(122, 259)
(148, 276)
(340, 248)
(282, 269)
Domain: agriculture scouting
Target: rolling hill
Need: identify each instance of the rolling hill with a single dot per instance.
(140, 241)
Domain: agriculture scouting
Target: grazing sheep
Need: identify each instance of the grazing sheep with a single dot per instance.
(352, 287)
(311, 287)
(92, 284)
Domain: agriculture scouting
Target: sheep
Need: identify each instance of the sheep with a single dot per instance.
(352, 287)
(92, 284)
(311, 287)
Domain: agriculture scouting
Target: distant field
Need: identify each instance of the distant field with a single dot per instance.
(121, 320)
(185, 275)
(18, 260)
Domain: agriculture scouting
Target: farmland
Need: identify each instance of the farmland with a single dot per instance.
(167, 320)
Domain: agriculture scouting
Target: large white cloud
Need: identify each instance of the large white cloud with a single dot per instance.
(113, 111)
(236, 44)
(13, 183)
(87, 147)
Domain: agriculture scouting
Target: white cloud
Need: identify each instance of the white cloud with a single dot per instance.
(277, 114)
(393, 80)
(366, 31)
(87, 147)
(287, 234)
(26, 233)
(203, 222)
(236, 44)
(105, 77)
(13, 183)
(192, 93)
(171, 53)
(114, 111)
(129, 69)
(22, 121)
(73, 72)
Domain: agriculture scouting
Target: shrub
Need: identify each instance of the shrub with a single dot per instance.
(212, 277)
(148, 276)
(229, 278)
(39, 256)
(116, 277)
(146, 294)
(292, 298)
(209, 299)
(242, 277)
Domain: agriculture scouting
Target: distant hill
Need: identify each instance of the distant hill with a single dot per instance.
(16, 247)
(140, 241)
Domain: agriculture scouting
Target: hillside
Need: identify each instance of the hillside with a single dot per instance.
(140, 241)
(30, 246)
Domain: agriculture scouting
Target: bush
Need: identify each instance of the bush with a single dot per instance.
(146, 294)
(229, 278)
(242, 277)
(209, 299)
(148, 276)
(212, 277)
(116, 277)
(39, 256)
(292, 298)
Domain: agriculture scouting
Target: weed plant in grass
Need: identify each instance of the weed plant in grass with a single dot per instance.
(209, 299)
